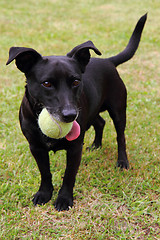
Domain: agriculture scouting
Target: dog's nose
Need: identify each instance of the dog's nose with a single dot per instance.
(69, 115)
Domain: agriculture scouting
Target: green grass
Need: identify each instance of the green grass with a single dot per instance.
(108, 203)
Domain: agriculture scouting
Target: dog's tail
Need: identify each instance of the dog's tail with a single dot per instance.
(132, 46)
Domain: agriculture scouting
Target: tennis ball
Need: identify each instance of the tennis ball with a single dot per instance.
(51, 127)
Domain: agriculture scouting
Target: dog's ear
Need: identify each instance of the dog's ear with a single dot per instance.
(81, 53)
(25, 57)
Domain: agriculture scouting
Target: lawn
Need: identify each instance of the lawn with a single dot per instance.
(108, 203)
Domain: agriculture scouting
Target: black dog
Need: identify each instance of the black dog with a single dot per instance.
(72, 87)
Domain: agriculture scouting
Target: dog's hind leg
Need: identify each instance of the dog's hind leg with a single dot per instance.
(119, 119)
(98, 125)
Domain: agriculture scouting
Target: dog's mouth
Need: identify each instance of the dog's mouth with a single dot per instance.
(74, 133)
(75, 130)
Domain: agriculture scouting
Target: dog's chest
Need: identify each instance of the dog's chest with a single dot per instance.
(54, 144)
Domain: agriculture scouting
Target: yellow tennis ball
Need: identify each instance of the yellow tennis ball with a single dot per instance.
(51, 127)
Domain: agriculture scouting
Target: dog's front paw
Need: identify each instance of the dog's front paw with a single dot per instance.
(42, 197)
(63, 203)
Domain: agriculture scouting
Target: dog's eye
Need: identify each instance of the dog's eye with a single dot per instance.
(76, 83)
(47, 84)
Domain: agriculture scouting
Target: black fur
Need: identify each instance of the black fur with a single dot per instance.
(71, 86)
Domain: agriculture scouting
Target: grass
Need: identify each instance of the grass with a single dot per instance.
(108, 203)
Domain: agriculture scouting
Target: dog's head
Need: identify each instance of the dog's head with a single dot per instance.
(54, 81)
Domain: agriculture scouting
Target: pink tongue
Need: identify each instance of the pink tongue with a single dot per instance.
(74, 133)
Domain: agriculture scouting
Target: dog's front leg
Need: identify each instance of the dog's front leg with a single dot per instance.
(44, 193)
(65, 196)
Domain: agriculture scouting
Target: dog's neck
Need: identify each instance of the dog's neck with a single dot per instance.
(35, 107)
